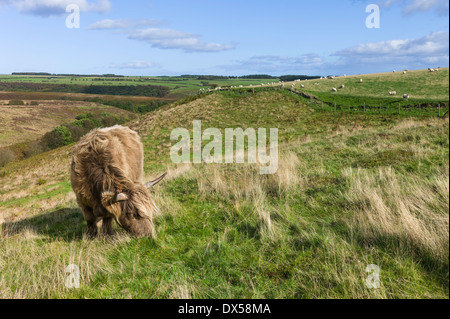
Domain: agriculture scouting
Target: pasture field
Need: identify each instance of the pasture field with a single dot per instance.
(351, 190)
(423, 87)
(179, 86)
(36, 96)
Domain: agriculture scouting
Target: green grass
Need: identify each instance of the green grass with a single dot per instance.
(179, 86)
(309, 231)
(424, 88)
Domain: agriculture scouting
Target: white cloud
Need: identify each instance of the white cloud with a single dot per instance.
(275, 64)
(433, 45)
(173, 39)
(431, 50)
(413, 53)
(441, 7)
(57, 7)
(107, 24)
(135, 65)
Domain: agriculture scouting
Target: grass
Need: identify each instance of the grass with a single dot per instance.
(423, 87)
(179, 86)
(352, 189)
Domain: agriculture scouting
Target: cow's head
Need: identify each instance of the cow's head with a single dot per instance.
(133, 207)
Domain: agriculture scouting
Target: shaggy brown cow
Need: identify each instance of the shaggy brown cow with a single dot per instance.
(107, 177)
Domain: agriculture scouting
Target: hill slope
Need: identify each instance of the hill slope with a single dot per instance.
(419, 84)
(351, 190)
(22, 123)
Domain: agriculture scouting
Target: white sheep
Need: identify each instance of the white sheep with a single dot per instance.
(360, 80)
(342, 86)
(392, 93)
(406, 96)
(334, 89)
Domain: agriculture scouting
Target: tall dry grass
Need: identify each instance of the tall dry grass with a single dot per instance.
(29, 271)
(408, 213)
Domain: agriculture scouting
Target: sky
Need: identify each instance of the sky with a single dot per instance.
(232, 37)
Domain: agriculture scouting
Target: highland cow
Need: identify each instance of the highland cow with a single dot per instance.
(107, 174)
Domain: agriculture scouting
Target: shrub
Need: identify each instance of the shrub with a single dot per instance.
(77, 131)
(34, 148)
(109, 120)
(6, 156)
(34, 103)
(16, 102)
(60, 136)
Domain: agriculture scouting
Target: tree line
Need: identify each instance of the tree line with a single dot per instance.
(134, 90)
(73, 75)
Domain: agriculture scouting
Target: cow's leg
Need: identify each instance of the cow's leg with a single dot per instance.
(107, 226)
(91, 220)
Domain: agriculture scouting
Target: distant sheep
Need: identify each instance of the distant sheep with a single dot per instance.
(431, 70)
(392, 93)
(404, 72)
(302, 86)
(406, 96)
(360, 80)
(342, 86)
(334, 89)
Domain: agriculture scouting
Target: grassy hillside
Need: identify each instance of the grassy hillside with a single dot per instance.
(352, 189)
(20, 123)
(422, 86)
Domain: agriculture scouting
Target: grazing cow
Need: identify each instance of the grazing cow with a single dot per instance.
(107, 177)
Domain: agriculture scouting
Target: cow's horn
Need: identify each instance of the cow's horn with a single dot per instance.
(156, 181)
(121, 197)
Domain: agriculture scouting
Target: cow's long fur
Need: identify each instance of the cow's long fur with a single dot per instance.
(107, 162)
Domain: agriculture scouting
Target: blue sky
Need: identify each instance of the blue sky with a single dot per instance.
(231, 37)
